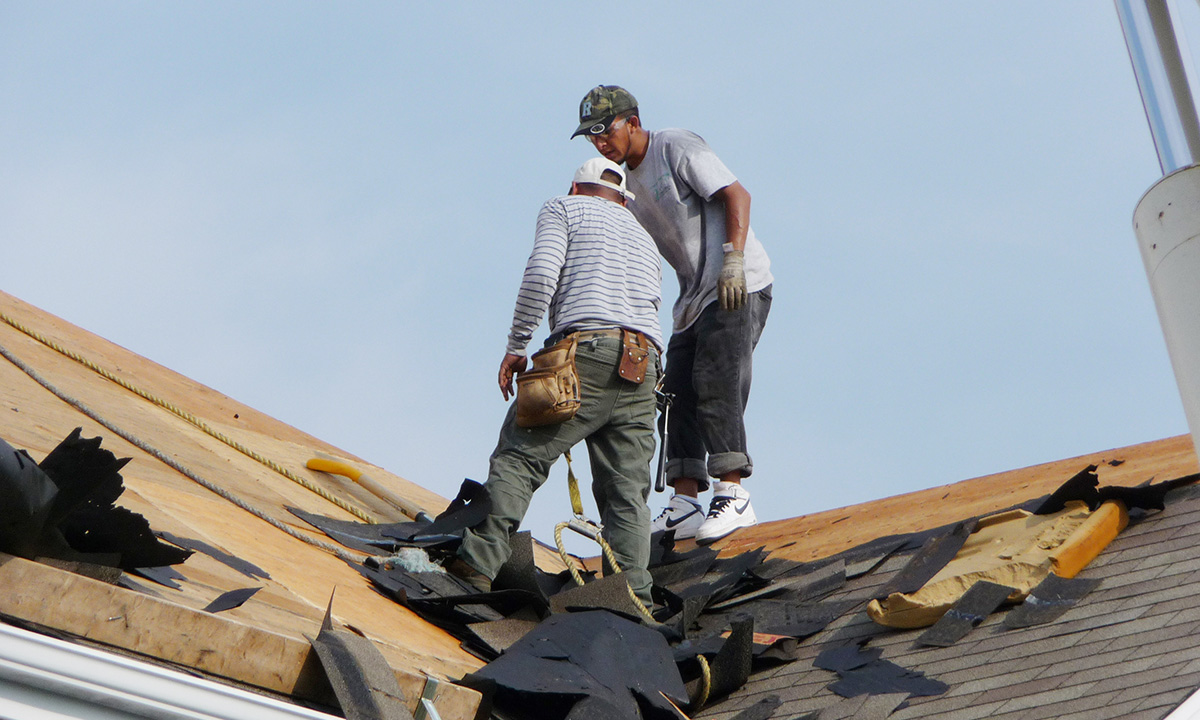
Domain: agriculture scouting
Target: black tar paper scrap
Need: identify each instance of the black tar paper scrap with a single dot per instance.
(230, 600)
(1083, 487)
(593, 659)
(246, 568)
(364, 537)
(864, 672)
(62, 508)
(1051, 598)
(469, 508)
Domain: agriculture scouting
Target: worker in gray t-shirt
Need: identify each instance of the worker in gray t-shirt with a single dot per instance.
(699, 216)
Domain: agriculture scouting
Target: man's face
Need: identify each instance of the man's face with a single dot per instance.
(614, 143)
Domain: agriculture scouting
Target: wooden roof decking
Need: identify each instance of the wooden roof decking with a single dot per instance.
(268, 632)
(827, 533)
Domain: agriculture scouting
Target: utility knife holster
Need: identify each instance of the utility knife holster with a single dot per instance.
(635, 356)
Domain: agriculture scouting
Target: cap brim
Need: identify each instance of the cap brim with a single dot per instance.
(587, 127)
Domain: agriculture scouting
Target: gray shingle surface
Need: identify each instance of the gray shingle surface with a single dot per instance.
(1130, 649)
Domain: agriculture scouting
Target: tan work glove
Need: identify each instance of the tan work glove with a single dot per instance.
(731, 287)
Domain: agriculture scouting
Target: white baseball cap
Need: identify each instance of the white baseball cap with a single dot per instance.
(590, 172)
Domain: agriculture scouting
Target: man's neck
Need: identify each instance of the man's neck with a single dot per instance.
(637, 148)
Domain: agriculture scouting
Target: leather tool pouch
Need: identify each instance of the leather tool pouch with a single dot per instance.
(635, 356)
(549, 392)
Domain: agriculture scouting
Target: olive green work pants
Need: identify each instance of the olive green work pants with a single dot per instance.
(616, 420)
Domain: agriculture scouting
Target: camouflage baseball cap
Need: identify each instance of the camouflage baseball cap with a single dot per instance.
(601, 106)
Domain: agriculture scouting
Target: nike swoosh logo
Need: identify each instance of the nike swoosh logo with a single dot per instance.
(672, 523)
(742, 509)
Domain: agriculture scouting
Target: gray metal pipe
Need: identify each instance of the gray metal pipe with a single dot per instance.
(1167, 225)
(1162, 80)
(1167, 219)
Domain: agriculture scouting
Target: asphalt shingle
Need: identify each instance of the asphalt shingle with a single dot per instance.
(1131, 648)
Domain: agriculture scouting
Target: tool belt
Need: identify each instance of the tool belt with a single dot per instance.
(549, 392)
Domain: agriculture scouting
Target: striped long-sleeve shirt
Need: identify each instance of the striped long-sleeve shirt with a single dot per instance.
(592, 266)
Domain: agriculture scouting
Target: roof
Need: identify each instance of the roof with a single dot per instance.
(1129, 649)
(1125, 649)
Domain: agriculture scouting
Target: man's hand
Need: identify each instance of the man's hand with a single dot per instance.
(508, 366)
(731, 287)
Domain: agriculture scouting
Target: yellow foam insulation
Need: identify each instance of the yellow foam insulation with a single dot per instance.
(1014, 548)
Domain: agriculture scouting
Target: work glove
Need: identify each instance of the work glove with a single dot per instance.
(731, 287)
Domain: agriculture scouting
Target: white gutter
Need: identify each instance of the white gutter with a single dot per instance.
(43, 678)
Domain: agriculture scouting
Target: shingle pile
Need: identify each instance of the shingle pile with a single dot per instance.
(749, 637)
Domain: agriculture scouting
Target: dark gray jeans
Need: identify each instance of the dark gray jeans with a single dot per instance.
(616, 420)
(708, 370)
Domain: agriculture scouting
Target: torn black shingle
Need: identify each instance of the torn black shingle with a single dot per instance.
(231, 599)
(621, 668)
(932, 557)
(979, 601)
(364, 683)
(1049, 600)
(248, 569)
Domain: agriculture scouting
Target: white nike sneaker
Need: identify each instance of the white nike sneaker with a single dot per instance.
(730, 510)
(682, 514)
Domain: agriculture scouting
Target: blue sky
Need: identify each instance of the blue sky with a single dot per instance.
(323, 210)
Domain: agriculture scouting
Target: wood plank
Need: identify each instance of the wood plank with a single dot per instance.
(213, 644)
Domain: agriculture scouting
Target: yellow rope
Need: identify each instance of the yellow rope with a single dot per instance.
(612, 563)
(189, 418)
(705, 684)
(577, 507)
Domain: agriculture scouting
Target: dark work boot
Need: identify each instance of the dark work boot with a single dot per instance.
(459, 568)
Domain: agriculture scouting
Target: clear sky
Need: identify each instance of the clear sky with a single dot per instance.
(323, 210)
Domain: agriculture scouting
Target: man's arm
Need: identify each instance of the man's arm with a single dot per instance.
(737, 213)
(731, 286)
(538, 286)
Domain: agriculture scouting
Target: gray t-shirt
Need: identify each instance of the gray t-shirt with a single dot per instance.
(673, 184)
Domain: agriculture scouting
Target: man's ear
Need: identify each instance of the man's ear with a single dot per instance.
(574, 189)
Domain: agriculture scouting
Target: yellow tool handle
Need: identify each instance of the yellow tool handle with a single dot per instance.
(337, 467)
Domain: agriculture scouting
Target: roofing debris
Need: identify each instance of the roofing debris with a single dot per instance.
(365, 685)
(560, 651)
(556, 650)
(63, 509)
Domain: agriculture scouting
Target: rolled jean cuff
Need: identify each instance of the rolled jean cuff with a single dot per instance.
(687, 468)
(728, 462)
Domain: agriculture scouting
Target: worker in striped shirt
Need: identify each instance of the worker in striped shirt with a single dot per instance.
(596, 271)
